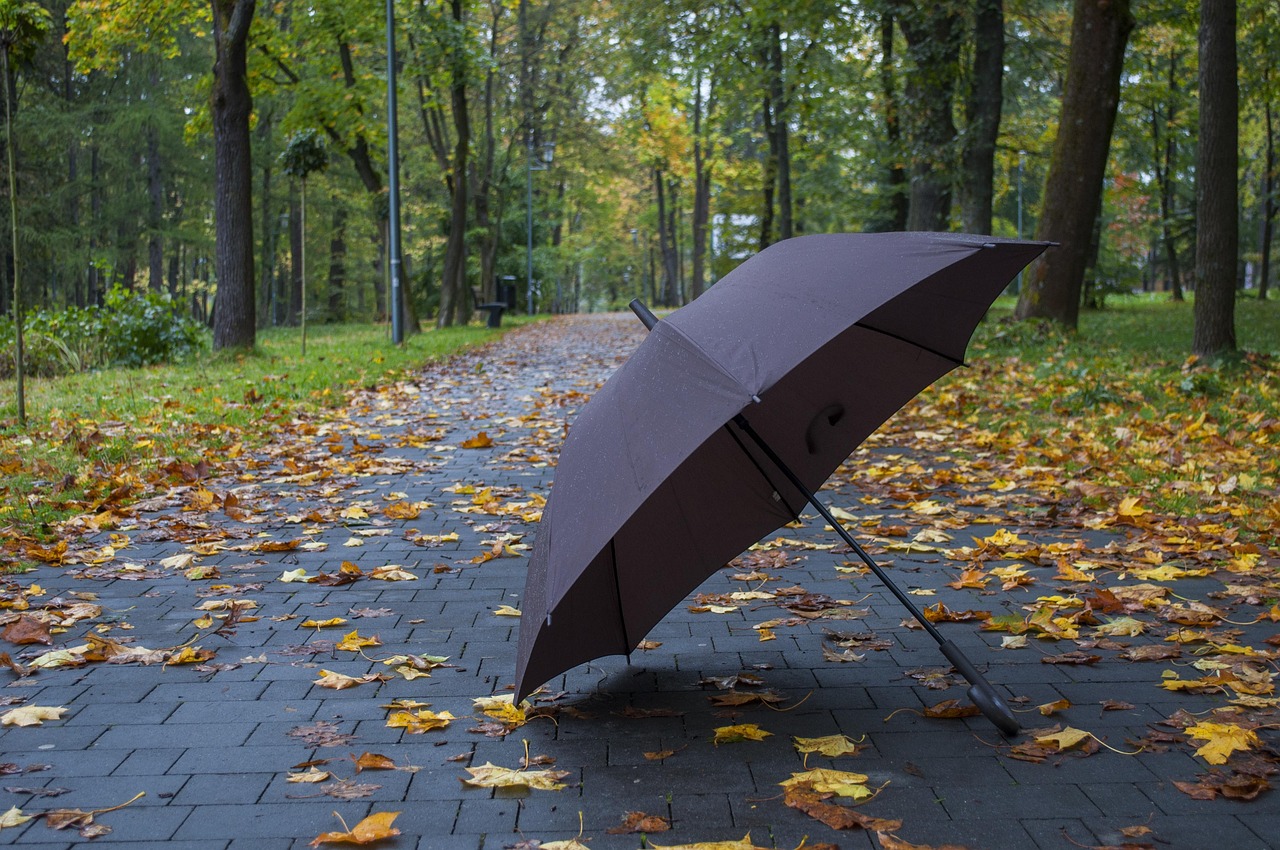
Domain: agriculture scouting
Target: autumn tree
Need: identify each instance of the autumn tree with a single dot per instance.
(983, 103)
(1099, 33)
(22, 24)
(1217, 229)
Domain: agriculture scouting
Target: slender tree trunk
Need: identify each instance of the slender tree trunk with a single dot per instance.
(234, 325)
(1073, 190)
(1217, 225)
(269, 231)
(982, 109)
(453, 284)
(1268, 202)
(769, 176)
(898, 199)
(155, 196)
(781, 129)
(19, 355)
(338, 266)
(296, 248)
(1165, 156)
(701, 195)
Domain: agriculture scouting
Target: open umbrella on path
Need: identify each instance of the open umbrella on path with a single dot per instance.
(727, 418)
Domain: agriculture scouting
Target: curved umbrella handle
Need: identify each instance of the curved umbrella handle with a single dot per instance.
(643, 313)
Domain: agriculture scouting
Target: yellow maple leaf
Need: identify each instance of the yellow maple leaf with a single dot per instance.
(490, 775)
(324, 624)
(31, 715)
(352, 642)
(479, 441)
(827, 781)
(415, 723)
(739, 732)
(501, 708)
(507, 611)
(15, 817)
(341, 681)
(300, 574)
(373, 828)
(1066, 739)
(392, 572)
(831, 746)
(743, 844)
(1221, 740)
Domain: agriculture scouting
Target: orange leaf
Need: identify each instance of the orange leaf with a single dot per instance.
(373, 828)
(479, 441)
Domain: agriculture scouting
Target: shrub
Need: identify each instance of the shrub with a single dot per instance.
(132, 329)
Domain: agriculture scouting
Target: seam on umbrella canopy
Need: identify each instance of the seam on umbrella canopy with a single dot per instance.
(755, 280)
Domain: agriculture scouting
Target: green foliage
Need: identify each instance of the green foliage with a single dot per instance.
(132, 329)
(304, 155)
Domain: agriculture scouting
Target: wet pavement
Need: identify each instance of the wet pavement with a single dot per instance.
(415, 512)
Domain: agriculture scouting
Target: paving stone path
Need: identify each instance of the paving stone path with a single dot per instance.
(212, 745)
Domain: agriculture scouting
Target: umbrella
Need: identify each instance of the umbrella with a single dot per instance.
(732, 411)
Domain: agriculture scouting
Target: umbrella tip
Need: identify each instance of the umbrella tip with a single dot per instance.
(643, 313)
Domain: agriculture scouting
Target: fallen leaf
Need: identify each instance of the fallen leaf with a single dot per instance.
(738, 733)
(804, 798)
(827, 781)
(13, 817)
(507, 611)
(373, 828)
(1221, 740)
(743, 844)
(311, 776)
(479, 441)
(491, 775)
(31, 715)
(831, 746)
(640, 822)
(893, 842)
(1050, 708)
(27, 630)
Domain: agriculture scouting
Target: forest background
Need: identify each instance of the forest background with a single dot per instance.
(573, 154)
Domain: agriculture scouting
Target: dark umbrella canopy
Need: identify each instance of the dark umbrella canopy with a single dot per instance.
(816, 341)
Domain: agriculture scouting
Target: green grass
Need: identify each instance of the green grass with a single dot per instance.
(89, 434)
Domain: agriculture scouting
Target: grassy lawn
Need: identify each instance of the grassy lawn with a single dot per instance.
(1118, 405)
(92, 433)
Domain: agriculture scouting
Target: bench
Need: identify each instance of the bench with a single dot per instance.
(493, 308)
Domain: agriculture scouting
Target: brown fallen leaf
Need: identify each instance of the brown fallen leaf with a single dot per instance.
(804, 798)
(893, 842)
(640, 822)
(743, 844)
(27, 630)
(373, 828)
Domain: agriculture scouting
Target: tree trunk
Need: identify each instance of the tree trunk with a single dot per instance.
(1073, 190)
(338, 266)
(155, 211)
(1268, 202)
(296, 248)
(781, 146)
(269, 231)
(232, 103)
(1217, 227)
(982, 110)
(453, 283)
(896, 173)
(932, 31)
(1165, 155)
(701, 196)
(769, 175)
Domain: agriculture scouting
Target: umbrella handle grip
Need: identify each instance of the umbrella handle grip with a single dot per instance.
(643, 313)
(980, 691)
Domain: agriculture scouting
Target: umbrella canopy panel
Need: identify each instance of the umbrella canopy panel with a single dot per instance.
(816, 341)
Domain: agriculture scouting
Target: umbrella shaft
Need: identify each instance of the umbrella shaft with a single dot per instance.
(809, 495)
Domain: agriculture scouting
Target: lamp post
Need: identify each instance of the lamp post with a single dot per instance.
(393, 185)
(537, 159)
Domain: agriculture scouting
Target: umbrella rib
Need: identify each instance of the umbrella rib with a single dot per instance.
(913, 342)
(617, 587)
(795, 514)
